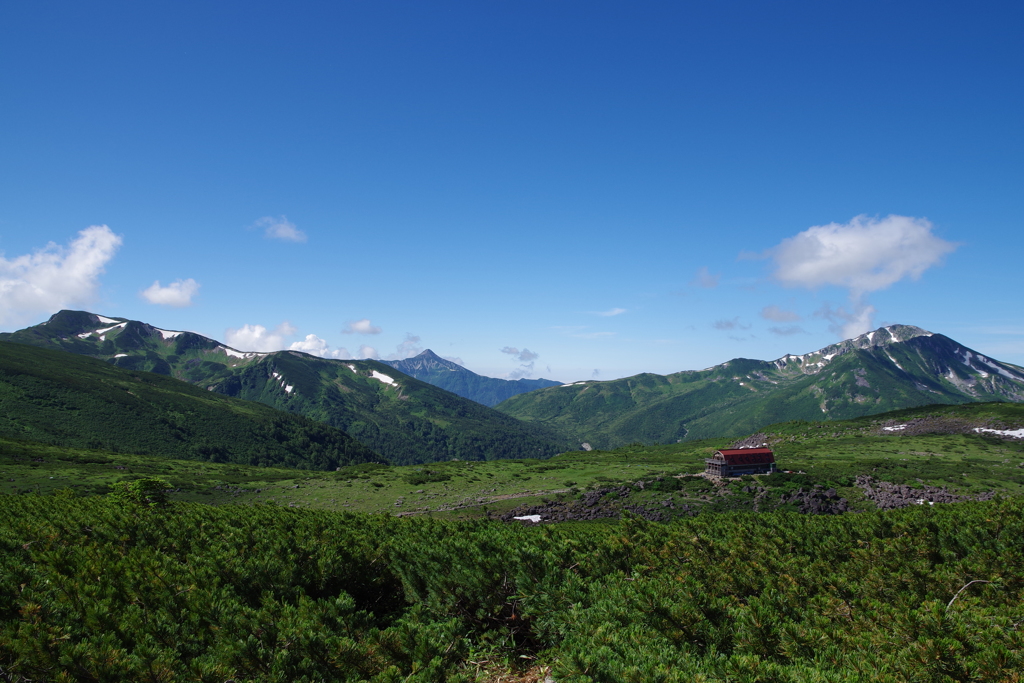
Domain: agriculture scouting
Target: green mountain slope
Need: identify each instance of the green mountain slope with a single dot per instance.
(889, 369)
(77, 402)
(490, 391)
(399, 417)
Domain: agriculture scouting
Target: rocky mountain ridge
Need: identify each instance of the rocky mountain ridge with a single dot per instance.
(894, 367)
(401, 418)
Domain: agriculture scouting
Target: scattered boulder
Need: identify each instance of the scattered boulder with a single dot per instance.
(888, 496)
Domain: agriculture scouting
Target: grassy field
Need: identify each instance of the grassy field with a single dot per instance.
(826, 455)
(459, 488)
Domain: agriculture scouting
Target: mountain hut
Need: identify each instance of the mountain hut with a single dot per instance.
(735, 462)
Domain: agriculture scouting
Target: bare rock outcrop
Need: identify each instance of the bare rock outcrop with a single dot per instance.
(888, 496)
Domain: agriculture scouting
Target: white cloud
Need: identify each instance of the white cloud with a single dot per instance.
(360, 327)
(55, 277)
(177, 294)
(316, 346)
(778, 315)
(280, 228)
(526, 357)
(258, 338)
(408, 348)
(614, 311)
(523, 371)
(848, 324)
(523, 356)
(368, 352)
(705, 278)
(864, 255)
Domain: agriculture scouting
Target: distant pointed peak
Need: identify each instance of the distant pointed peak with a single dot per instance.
(428, 355)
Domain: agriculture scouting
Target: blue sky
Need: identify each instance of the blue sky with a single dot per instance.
(548, 189)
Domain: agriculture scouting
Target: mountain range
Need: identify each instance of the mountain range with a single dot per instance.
(71, 401)
(403, 419)
(450, 376)
(416, 410)
(898, 366)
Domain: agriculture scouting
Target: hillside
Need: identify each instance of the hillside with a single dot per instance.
(933, 450)
(401, 418)
(77, 402)
(891, 368)
(490, 391)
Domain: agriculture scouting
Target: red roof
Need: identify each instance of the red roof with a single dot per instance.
(747, 456)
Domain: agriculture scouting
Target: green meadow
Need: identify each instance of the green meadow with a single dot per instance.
(824, 454)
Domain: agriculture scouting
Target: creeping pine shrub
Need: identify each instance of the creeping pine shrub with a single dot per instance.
(148, 492)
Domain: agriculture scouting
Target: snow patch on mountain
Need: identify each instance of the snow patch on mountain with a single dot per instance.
(382, 377)
(1015, 433)
(239, 354)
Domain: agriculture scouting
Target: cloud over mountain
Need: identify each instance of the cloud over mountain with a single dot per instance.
(409, 347)
(316, 346)
(259, 338)
(177, 294)
(363, 326)
(863, 256)
(526, 358)
(55, 277)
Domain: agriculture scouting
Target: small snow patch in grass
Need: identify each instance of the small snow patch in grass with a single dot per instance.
(167, 334)
(288, 389)
(121, 355)
(529, 518)
(382, 377)
(108, 329)
(84, 335)
(895, 428)
(108, 321)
